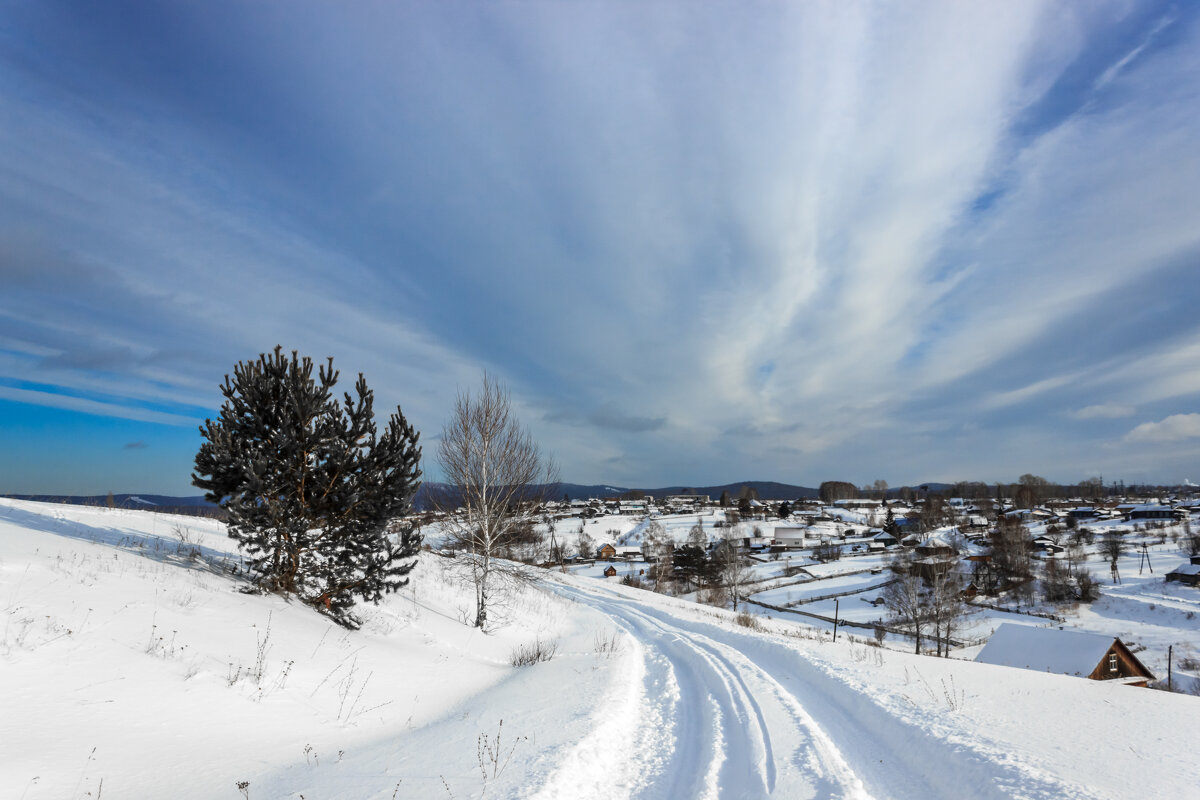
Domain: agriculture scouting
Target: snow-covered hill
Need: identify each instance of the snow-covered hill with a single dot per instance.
(133, 667)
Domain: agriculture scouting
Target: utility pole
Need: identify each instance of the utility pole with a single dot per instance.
(1145, 559)
(836, 605)
(1170, 653)
(554, 548)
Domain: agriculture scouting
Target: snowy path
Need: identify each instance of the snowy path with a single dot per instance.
(727, 714)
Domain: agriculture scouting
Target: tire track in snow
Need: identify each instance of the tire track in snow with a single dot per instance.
(712, 730)
(751, 716)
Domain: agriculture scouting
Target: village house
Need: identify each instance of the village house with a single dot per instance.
(1085, 655)
(1188, 573)
(791, 537)
(858, 503)
(1149, 512)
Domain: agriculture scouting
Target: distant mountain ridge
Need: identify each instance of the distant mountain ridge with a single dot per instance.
(145, 501)
(196, 504)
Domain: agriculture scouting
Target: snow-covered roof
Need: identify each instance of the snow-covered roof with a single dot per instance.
(1186, 569)
(939, 539)
(1045, 649)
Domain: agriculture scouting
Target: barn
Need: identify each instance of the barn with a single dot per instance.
(1187, 573)
(1086, 655)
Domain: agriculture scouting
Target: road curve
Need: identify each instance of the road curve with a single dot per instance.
(727, 713)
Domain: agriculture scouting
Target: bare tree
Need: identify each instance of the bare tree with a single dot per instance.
(1190, 541)
(1112, 546)
(731, 565)
(497, 478)
(1012, 552)
(827, 551)
(934, 513)
(585, 544)
(904, 598)
(1058, 585)
(832, 491)
(659, 550)
(944, 606)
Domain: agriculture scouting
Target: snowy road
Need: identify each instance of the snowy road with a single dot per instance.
(730, 714)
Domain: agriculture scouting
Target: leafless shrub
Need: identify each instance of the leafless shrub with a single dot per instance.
(607, 645)
(748, 620)
(525, 655)
(492, 755)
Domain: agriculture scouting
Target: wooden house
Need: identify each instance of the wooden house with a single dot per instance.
(1149, 511)
(1086, 655)
(607, 551)
(1187, 573)
(610, 571)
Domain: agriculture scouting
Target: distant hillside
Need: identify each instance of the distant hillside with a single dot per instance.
(767, 490)
(196, 506)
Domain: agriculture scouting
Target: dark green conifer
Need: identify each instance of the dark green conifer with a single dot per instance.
(310, 485)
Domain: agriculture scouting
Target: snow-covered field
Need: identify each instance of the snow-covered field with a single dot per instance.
(810, 590)
(133, 667)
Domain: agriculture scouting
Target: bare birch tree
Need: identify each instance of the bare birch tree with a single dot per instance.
(731, 565)
(497, 478)
(904, 598)
(945, 609)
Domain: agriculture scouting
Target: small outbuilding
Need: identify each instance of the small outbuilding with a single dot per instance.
(610, 571)
(1086, 655)
(1187, 573)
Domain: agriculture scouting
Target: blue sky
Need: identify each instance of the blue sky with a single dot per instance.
(700, 242)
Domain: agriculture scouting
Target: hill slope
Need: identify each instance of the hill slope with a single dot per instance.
(146, 672)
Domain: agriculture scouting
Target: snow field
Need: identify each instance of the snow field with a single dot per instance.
(849, 719)
(134, 667)
(129, 661)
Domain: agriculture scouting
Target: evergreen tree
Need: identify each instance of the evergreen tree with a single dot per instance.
(691, 564)
(310, 485)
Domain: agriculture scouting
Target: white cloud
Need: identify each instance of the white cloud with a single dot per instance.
(1172, 429)
(1103, 411)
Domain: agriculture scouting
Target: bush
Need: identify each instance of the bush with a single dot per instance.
(607, 645)
(827, 552)
(525, 655)
(1089, 590)
(715, 595)
(748, 620)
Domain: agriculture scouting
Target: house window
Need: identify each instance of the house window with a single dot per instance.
(1112, 662)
